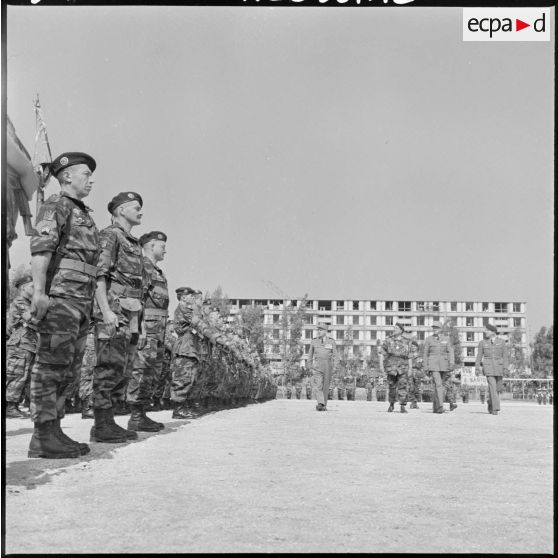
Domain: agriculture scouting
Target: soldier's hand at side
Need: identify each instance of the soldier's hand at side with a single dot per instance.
(110, 319)
(39, 306)
(142, 341)
(26, 317)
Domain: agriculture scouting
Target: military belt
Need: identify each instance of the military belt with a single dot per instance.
(122, 290)
(155, 313)
(76, 265)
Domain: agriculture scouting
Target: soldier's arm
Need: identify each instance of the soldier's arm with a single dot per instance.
(39, 266)
(107, 258)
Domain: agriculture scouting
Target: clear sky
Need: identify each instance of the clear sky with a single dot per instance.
(341, 152)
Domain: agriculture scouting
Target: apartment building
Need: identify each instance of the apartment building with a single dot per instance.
(359, 325)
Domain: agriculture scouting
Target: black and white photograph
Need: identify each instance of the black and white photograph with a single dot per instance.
(249, 250)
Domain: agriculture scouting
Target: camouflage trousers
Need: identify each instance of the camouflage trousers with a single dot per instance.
(397, 370)
(184, 373)
(19, 363)
(62, 335)
(414, 389)
(442, 386)
(114, 357)
(87, 367)
(163, 384)
(147, 365)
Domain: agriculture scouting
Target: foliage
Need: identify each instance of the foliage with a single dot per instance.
(451, 331)
(543, 352)
(292, 323)
(221, 302)
(518, 360)
(251, 320)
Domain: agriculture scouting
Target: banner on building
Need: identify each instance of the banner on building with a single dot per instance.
(469, 378)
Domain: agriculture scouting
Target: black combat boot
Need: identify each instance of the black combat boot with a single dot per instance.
(138, 421)
(403, 409)
(166, 404)
(45, 443)
(159, 425)
(181, 411)
(453, 406)
(101, 431)
(414, 405)
(391, 407)
(13, 411)
(120, 408)
(130, 434)
(87, 409)
(155, 406)
(83, 448)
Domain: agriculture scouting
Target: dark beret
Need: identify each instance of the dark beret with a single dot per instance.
(123, 197)
(490, 327)
(72, 158)
(25, 278)
(437, 324)
(153, 235)
(186, 291)
(400, 326)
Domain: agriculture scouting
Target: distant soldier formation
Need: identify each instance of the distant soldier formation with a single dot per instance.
(91, 323)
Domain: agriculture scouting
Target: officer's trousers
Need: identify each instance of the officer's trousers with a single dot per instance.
(440, 379)
(321, 378)
(494, 389)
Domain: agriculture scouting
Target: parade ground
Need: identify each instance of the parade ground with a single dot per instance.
(281, 477)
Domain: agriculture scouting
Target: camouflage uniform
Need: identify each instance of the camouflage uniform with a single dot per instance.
(20, 349)
(121, 264)
(162, 386)
(396, 350)
(148, 361)
(416, 376)
(87, 366)
(64, 228)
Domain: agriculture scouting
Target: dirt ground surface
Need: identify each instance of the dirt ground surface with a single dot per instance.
(281, 477)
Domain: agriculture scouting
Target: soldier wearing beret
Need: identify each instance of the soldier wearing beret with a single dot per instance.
(322, 360)
(64, 252)
(439, 360)
(21, 346)
(121, 287)
(396, 352)
(148, 360)
(493, 362)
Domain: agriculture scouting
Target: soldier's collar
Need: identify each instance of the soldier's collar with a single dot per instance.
(127, 233)
(79, 203)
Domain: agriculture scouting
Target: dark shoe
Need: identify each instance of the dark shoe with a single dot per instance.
(453, 406)
(130, 435)
(181, 412)
(439, 412)
(139, 422)
(166, 404)
(403, 410)
(494, 412)
(391, 407)
(159, 425)
(320, 407)
(102, 431)
(414, 405)
(120, 408)
(83, 448)
(45, 443)
(87, 409)
(13, 411)
(155, 406)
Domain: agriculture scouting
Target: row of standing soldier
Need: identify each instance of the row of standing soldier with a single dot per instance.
(102, 293)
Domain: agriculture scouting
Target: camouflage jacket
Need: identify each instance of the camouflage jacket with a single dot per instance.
(21, 333)
(157, 301)
(65, 228)
(396, 346)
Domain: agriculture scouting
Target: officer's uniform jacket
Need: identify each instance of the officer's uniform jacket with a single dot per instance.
(494, 357)
(438, 354)
(121, 264)
(65, 228)
(322, 353)
(21, 334)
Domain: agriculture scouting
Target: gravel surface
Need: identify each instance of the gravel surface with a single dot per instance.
(281, 477)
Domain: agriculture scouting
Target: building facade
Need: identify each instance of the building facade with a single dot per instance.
(360, 325)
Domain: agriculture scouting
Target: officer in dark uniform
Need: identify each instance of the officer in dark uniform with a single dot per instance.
(64, 251)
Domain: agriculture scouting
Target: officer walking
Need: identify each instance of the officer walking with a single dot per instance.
(21, 346)
(439, 360)
(493, 361)
(119, 296)
(64, 255)
(148, 360)
(322, 360)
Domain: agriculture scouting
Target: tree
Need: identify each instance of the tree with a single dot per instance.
(518, 360)
(251, 320)
(451, 331)
(542, 352)
(221, 302)
(292, 323)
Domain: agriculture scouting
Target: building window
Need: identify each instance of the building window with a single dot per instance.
(356, 350)
(389, 320)
(420, 320)
(275, 349)
(421, 306)
(470, 351)
(404, 306)
(420, 335)
(307, 334)
(453, 306)
(517, 322)
(485, 322)
(340, 320)
(517, 306)
(339, 334)
(356, 320)
(372, 305)
(276, 318)
(373, 335)
(469, 322)
(435, 307)
(500, 307)
(389, 305)
(355, 305)
(470, 336)
(356, 334)
(468, 307)
(308, 318)
(324, 305)
(485, 307)
(275, 334)
(306, 349)
(373, 320)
